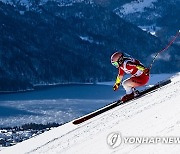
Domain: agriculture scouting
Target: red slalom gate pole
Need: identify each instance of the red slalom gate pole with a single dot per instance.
(170, 43)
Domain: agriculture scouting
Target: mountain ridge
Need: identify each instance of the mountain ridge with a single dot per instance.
(61, 44)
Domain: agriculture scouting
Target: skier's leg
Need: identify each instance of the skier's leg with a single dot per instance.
(140, 80)
(130, 83)
(133, 82)
(127, 85)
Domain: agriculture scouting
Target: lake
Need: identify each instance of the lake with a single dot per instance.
(59, 104)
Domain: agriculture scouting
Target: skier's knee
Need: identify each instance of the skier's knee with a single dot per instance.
(127, 87)
(124, 84)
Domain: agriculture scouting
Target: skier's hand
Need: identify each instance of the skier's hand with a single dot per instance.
(146, 71)
(116, 86)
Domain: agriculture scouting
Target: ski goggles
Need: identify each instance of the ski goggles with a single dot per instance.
(116, 64)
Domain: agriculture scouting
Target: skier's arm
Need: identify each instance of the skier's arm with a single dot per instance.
(118, 79)
(136, 64)
(140, 67)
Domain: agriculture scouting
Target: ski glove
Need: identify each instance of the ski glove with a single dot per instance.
(140, 67)
(117, 84)
(147, 71)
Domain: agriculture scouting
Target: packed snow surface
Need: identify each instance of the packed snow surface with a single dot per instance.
(155, 115)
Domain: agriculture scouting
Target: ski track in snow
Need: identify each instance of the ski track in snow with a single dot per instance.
(156, 114)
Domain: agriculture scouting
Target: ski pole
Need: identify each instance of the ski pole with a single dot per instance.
(170, 43)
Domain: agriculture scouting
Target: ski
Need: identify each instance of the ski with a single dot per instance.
(119, 102)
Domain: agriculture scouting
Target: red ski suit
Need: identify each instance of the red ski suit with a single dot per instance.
(138, 78)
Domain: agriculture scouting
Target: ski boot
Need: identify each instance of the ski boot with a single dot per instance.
(136, 92)
(127, 97)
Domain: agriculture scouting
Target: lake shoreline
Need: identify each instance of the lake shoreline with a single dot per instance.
(46, 86)
(37, 87)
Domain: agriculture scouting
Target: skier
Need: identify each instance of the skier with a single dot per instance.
(140, 74)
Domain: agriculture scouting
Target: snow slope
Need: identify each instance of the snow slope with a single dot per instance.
(136, 6)
(156, 114)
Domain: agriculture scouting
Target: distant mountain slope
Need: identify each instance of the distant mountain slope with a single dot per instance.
(151, 14)
(51, 43)
(160, 16)
(154, 115)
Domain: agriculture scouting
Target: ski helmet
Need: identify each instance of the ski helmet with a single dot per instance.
(117, 59)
